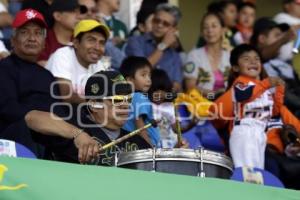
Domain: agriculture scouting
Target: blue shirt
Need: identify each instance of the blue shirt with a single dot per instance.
(117, 56)
(145, 45)
(142, 107)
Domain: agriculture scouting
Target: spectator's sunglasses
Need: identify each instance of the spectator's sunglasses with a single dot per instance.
(163, 22)
(119, 100)
(83, 9)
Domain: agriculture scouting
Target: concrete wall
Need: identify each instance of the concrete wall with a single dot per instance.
(127, 12)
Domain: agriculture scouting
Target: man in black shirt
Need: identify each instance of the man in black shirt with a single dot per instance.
(108, 98)
(24, 85)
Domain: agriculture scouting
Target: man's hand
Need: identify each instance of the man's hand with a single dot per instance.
(183, 144)
(291, 34)
(117, 41)
(176, 87)
(293, 150)
(88, 148)
(170, 38)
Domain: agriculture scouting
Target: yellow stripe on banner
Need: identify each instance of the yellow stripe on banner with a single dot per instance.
(3, 187)
(3, 169)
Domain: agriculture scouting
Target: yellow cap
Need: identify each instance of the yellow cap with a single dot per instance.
(88, 25)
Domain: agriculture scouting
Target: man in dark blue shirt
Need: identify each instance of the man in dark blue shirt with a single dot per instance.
(159, 45)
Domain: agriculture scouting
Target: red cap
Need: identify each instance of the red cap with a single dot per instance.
(28, 15)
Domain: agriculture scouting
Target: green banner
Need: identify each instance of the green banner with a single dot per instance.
(25, 179)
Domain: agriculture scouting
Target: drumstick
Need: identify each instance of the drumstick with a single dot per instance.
(178, 128)
(129, 135)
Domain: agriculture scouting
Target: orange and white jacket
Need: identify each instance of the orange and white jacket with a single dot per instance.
(247, 95)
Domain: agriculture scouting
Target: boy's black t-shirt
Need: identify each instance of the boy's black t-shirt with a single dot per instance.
(65, 150)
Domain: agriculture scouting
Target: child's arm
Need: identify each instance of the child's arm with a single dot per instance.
(221, 111)
(193, 123)
(278, 97)
(139, 123)
(245, 92)
(288, 118)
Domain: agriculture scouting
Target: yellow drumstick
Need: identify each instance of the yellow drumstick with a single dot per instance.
(178, 128)
(129, 135)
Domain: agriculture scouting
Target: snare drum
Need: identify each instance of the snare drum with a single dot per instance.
(192, 162)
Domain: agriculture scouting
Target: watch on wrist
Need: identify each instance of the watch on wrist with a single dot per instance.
(162, 46)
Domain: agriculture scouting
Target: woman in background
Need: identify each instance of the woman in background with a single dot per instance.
(207, 68)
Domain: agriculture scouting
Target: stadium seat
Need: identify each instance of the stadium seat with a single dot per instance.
(13, 149)
(268, 178)
(184, 115)
(201, 135)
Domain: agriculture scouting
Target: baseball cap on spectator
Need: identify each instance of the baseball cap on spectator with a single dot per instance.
(106, 84)
(265, 24)
(28, 15)
(291, 1)
(64, 5)
(89, 25)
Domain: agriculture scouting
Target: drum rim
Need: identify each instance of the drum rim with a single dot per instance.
(224, 161)
(176, 159)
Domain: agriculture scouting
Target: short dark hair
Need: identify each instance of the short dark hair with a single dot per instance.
(160, 81)
(142, 15)
(263, 26)
(239, 50)
(242, 5)
(131, 64)
(287, 1)
(236, 53)
(219, 6)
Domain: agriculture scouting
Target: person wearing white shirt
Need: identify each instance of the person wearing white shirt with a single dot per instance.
(3, 51)
(291, 16)
(73, 65)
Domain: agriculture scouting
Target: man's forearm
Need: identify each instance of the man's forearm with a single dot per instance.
(271, 51)
(49, 124)
(75, 98)
(155, 57)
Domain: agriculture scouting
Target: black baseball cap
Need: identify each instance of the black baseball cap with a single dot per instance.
(265, 24)
(64, 5)
(106, 84)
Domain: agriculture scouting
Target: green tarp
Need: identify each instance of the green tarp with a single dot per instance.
(46, 180)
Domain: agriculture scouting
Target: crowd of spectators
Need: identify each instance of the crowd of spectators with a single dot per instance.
(53, 52)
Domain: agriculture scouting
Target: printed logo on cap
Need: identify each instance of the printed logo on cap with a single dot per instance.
(30, 14)
(95, 88)
(119, 78)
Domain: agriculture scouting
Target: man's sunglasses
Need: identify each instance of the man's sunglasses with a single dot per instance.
(119, 100)
(163, 22)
